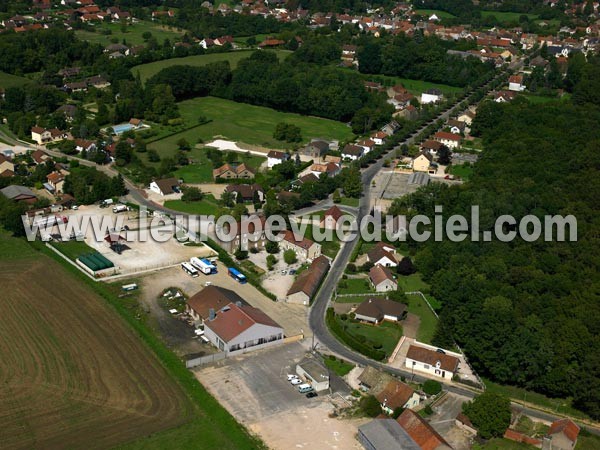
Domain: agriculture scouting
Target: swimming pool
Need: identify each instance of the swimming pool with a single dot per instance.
(122, 128)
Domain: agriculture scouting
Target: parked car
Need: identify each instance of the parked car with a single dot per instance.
(312, 395)
(291, 376)
(296, 381)
(292, 272)
(284, 272)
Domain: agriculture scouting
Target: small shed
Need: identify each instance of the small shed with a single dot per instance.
(314, 372)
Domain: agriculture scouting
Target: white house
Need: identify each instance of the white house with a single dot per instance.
(352, 152)
(396, 394)
(165, 186)
(382, 255)
(450, 140)
(367, 145)
(431, 96)
(515, 83)
(379, 137)
(238, 328)
(440, 363)
(274, 157)
(382, 279)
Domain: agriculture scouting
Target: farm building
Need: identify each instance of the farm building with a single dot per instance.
(308, 282)
(314, 372)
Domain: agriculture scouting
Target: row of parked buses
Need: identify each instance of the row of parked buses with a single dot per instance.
(202, 265)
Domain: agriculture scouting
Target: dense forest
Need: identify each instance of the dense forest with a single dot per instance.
(525, 313)
(420, 58)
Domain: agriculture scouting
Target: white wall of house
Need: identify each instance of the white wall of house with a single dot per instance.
(385, 262)
(154, 188)
(298, 298)
(428, 368)
(255, 337)
(385, 286)
(429, 98)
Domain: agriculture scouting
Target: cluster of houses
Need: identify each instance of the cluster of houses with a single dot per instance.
(356, 150)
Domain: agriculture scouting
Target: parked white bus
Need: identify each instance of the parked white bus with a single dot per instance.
(189, 269)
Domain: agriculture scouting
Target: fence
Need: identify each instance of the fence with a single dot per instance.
(195, 362)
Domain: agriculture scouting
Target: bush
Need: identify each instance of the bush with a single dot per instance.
(271, 261)
(370, 406)
(432, 387)
(272, 247)
(240, 254)
(289, 256)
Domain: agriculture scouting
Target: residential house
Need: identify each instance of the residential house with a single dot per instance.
(504, 96)
(367, 144)
(466, 117)
(98, 82)
(379, 137)
(56, 182)
(330, 169)
(397, 395)
(304, 247)
(229, 171)
(377, 309)
(401, 101)
(438, 363)
(331, 217)
(382, 279)
(85, 145)
(450, 140)
(6, 166)
(316, 149)
(432, 147)
(238, 328)
(136, 123)
(382, 254)
(352, 152)
(270, 43)
(76, 86)
(456, 126)
(421, 432)
(391, 128)
(207, 301)
(275, 157)
(39, 157)
(251, 232)
(69, 111)
(307, 283)
(19, 194)
(43, 135)
(431, 96)
(247, 192)
(562, 435)
(515, 83)
(165, 186)
(422, 162)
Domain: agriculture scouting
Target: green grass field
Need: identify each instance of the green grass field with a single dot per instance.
(502, 444)
(132, 36)
(417, 306)
(541, 99)
(507, 16)
(349, 201)
(462, 171)
(8, 80)
(73, 249)
(148, 70)
(241, 122)
(387, 334)
(441, 14)
(355, 286)
(338, 366)
(202, 207)
(415, 87)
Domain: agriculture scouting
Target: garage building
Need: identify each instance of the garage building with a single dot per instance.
(315, 372)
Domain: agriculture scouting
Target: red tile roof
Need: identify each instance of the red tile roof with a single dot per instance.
(395, 394)
(420, 431)
(566, 426)
(447, 136)
(424, 355)
(233, 320)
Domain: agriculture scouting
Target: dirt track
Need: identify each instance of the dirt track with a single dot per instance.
(72, 374)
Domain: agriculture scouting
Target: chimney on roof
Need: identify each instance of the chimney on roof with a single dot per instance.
(211, 314)
(238, 304)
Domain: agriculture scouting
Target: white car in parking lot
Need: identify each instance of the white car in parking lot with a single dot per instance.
(291, 376)
(296, 381)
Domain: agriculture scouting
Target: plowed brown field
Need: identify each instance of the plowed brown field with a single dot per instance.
(72, 374)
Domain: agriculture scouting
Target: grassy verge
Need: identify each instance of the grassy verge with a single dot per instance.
(349, 201)
(418, 307)
(338, 366)
(558, 405)
(203, 207)
(210, 425)
(73, 249)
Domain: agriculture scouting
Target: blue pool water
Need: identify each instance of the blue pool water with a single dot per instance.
(122, 128)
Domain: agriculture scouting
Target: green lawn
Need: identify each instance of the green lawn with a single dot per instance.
(417, 306)
(201, 170)
(349, 201)
(133, 34)
(245, 123)
(8, 80)
(73, 249)
(353, 299)
(203, 207)
(338, 366)
(387, 334)
(587, 441)
(355, 286)
(415, 87)
(462, 171)
(561, 406)
(541, 99)
(507, 16)
(329, 248)
(148, 70)
(441, 14)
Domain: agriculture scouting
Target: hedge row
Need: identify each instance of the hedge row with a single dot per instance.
(350, 340)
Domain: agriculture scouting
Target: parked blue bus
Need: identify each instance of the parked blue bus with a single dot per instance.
(236, 275)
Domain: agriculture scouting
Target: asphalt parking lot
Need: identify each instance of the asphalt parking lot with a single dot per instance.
(254, 387)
